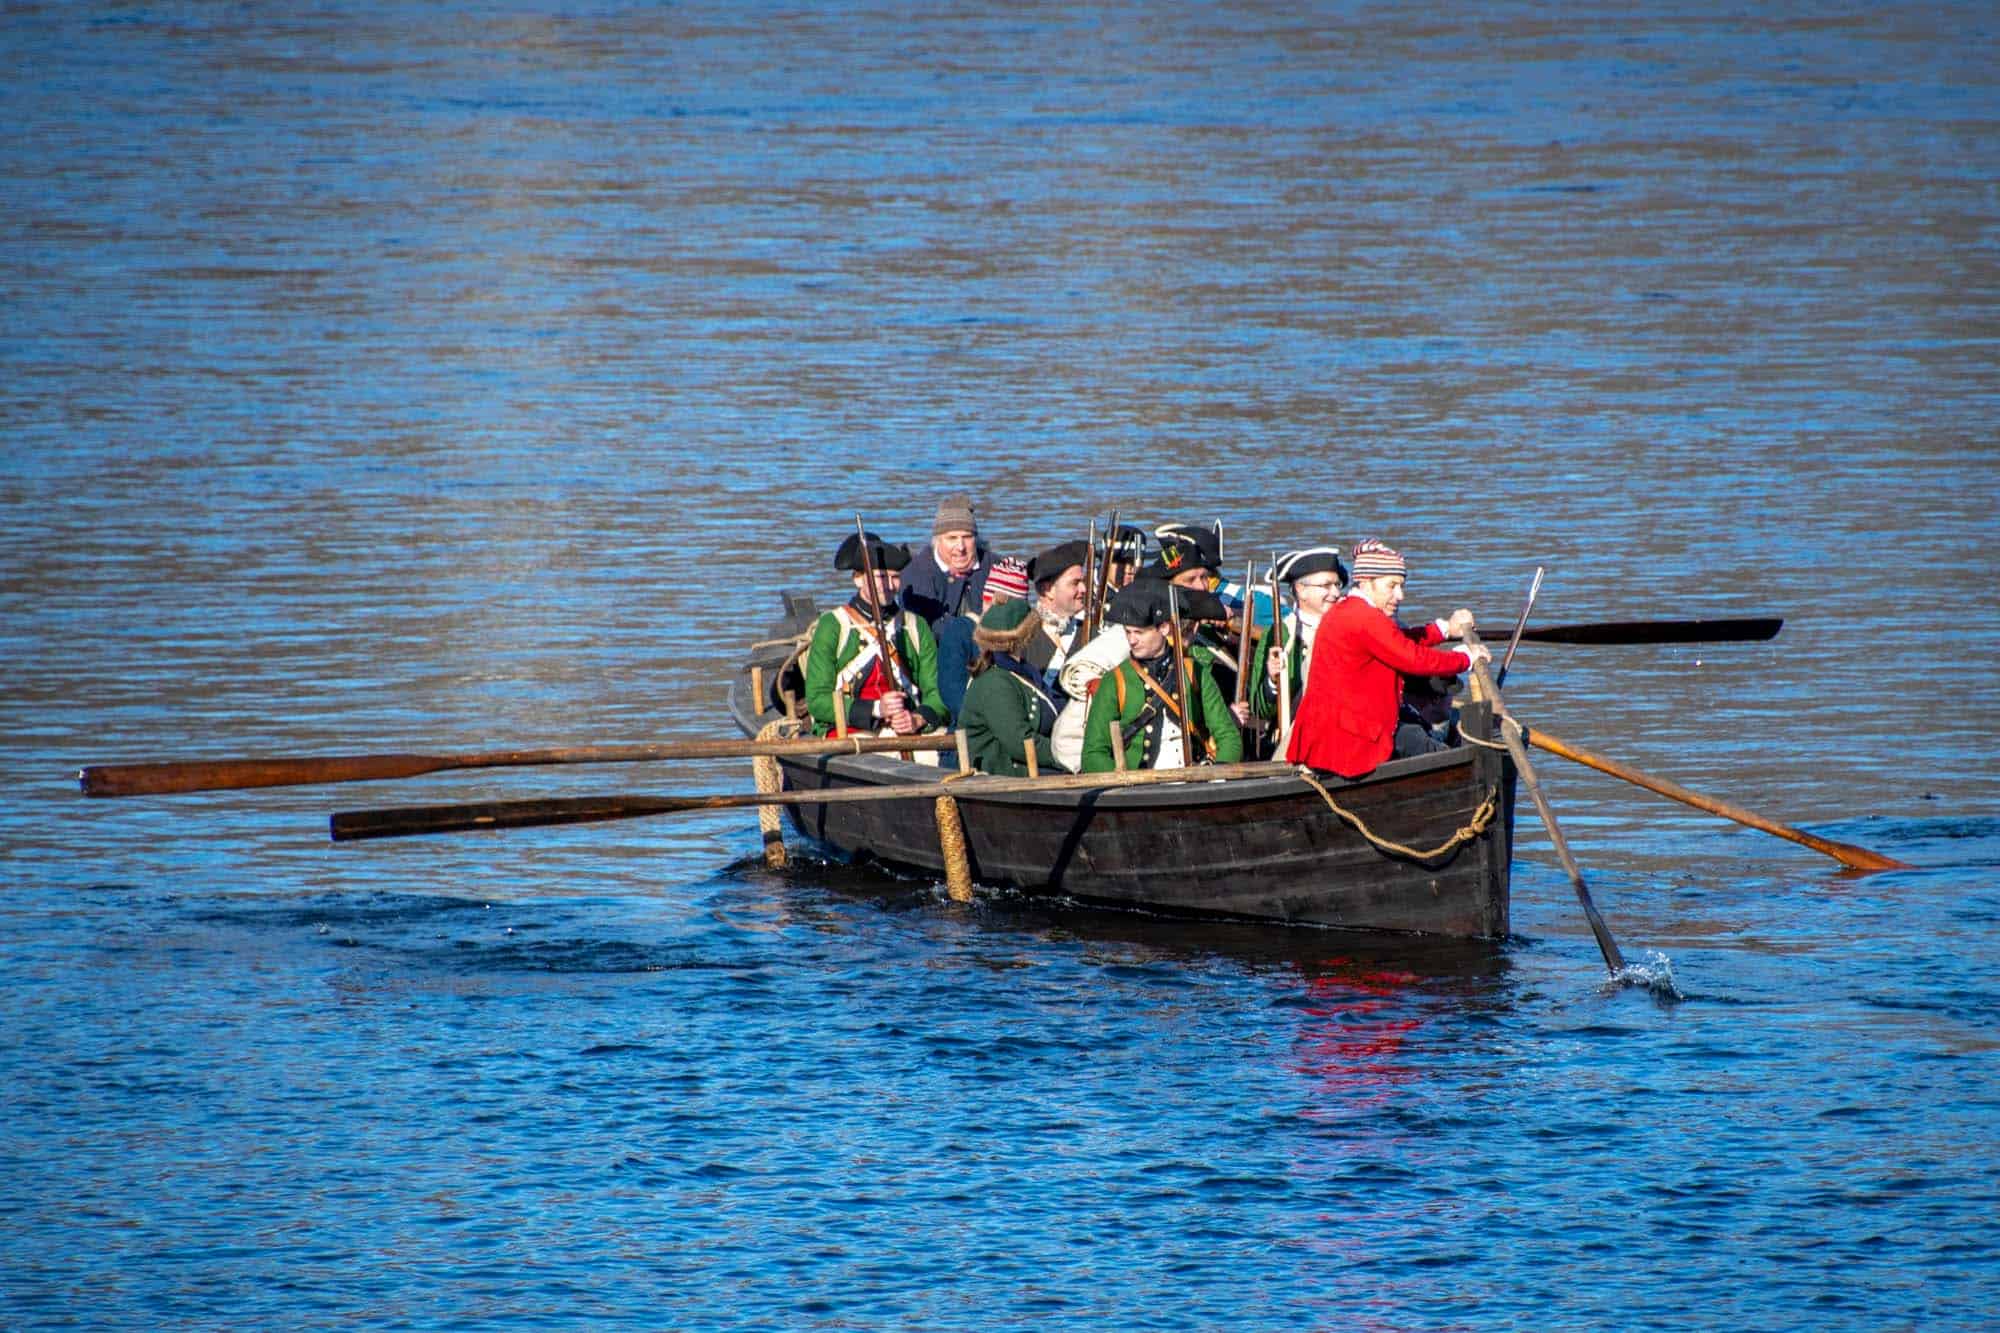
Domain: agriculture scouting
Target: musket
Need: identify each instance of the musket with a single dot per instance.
(1100, 596)
(1090, 582)
(1500, 676)
(1243, 639)
(899, 675)
(1284, 656)
(1186, 668)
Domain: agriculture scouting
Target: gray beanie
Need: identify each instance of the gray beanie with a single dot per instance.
(954, 514)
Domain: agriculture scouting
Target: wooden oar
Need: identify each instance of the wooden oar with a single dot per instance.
(1510, 732)
(172, 776)
(1859, 858)
(1611, 632)
(403, 821)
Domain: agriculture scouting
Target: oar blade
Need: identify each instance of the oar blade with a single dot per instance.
(409, 820)
(1611, 633)
(1856, 858)
(172, 777)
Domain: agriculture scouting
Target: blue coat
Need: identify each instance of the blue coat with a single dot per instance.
(934, 594)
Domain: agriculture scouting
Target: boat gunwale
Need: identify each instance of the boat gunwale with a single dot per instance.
(885, 770)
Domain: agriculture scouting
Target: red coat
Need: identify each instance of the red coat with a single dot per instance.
(1347, 719)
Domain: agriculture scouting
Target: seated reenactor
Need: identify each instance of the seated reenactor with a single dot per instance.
(1350, 719)
(899, 697)
(1006, 707)
(1136, 709)
(1008, 579)
(1126, 552)
(1060, 591)
(947, 576)
(1428, 719)
(1190, 557)
(1317, 579)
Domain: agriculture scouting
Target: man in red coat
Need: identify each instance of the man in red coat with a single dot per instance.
(1354, 688)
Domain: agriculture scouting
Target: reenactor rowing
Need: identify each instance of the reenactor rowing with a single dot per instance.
(1090, 658)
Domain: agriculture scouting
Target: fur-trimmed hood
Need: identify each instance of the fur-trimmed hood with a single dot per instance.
(1008, 627)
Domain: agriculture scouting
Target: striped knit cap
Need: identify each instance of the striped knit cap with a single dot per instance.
(1008, 579)
(1374, 560)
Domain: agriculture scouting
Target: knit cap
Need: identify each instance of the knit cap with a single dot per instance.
(1374, 560)
(1008, 578)
(954, 514)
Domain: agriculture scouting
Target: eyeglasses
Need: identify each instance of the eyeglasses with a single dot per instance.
(1319, 587)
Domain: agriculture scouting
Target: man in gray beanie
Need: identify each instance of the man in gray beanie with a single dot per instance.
(949, 576)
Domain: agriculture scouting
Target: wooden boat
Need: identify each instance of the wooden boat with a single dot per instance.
(1258, 848)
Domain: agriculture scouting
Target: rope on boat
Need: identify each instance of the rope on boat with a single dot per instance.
(770, 780)
(951, 839)
(798, 643)
(1482, 819)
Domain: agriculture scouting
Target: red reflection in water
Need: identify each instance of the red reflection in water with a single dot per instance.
(1350, 1043)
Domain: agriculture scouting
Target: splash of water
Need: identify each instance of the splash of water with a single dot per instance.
(1655, 973)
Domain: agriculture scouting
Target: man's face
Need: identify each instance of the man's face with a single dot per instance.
(1147, 643)
(1385, 593)
(956, 552)
(1065, 596)
(1198, 579)
(1316, 592)
(890, 582)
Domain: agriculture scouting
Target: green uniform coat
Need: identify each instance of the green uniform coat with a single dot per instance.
(1000, 717)
(1263, 685)
(1213, 709)
(835, 643)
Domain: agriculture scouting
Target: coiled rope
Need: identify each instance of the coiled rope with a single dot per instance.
(771, 780)
(1482, 819)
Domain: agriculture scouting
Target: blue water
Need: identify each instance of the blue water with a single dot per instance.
(383, 376)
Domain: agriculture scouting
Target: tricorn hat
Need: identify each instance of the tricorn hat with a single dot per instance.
(1295, 565)
(1127, 546)
(1047, 566)
(1196, 543)
(885, 554)
(1147, 602)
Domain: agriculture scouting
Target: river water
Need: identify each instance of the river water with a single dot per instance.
(423, 376)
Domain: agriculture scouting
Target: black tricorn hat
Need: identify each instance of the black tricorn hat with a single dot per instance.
(1198, 604)
(1146, 602)
(884, 554)
(1183, 547)
(1047, 566)
(1204, 538)
(1127, 545)
(1295, 565)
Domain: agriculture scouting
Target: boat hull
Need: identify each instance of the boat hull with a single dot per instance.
(1268, 849)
